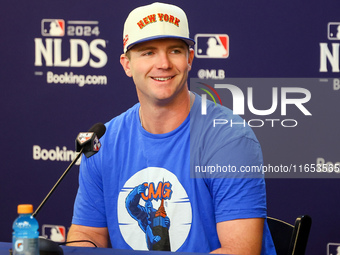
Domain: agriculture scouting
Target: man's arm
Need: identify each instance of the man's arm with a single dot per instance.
(242, 236)
(99, 236)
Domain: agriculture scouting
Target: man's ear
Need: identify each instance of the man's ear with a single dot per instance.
(191, 58)
(125, 62)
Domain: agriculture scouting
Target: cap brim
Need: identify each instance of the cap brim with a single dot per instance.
(188, 41)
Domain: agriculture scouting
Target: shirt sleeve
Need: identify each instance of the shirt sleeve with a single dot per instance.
(89, 206)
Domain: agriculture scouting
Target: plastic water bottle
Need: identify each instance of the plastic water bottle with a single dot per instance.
(25, 235)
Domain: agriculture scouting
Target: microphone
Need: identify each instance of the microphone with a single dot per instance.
(99, 129)
(87, 143)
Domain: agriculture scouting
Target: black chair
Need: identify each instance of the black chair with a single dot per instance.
(290, 239)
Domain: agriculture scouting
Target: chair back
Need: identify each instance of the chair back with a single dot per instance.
(290, 239)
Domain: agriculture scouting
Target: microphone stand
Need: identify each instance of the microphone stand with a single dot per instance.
(57, 183)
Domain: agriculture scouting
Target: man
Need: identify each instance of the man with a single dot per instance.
(141, 190)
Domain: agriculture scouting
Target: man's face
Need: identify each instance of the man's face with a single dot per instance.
(159, 69)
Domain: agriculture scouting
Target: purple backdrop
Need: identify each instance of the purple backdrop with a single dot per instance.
(60, 74)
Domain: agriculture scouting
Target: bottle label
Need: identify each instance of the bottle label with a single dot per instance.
(27, 246)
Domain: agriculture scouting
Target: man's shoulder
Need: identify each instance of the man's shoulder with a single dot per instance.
(219, 122)
(120, 124)
(127, 116)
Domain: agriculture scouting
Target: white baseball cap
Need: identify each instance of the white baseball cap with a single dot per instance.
(155, 21)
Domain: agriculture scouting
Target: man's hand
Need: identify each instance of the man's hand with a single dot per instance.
(242, 236)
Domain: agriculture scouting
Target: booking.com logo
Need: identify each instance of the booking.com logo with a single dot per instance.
(290, 96)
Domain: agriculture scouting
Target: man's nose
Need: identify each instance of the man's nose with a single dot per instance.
(163, 61)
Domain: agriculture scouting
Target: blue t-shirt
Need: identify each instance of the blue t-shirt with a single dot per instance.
(147, 188)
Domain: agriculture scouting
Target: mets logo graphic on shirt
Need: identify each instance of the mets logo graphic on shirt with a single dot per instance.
(154, 211)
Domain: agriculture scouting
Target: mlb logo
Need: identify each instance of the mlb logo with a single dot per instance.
(212, 46)
(333, 249)
(53, 27)
(333, 31)
(54, 232)
(96, 144)
(83, 137)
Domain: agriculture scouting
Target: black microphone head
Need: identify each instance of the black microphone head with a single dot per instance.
(99, 129)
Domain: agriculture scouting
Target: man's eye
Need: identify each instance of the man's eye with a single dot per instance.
(176, 51)
(147, 53)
